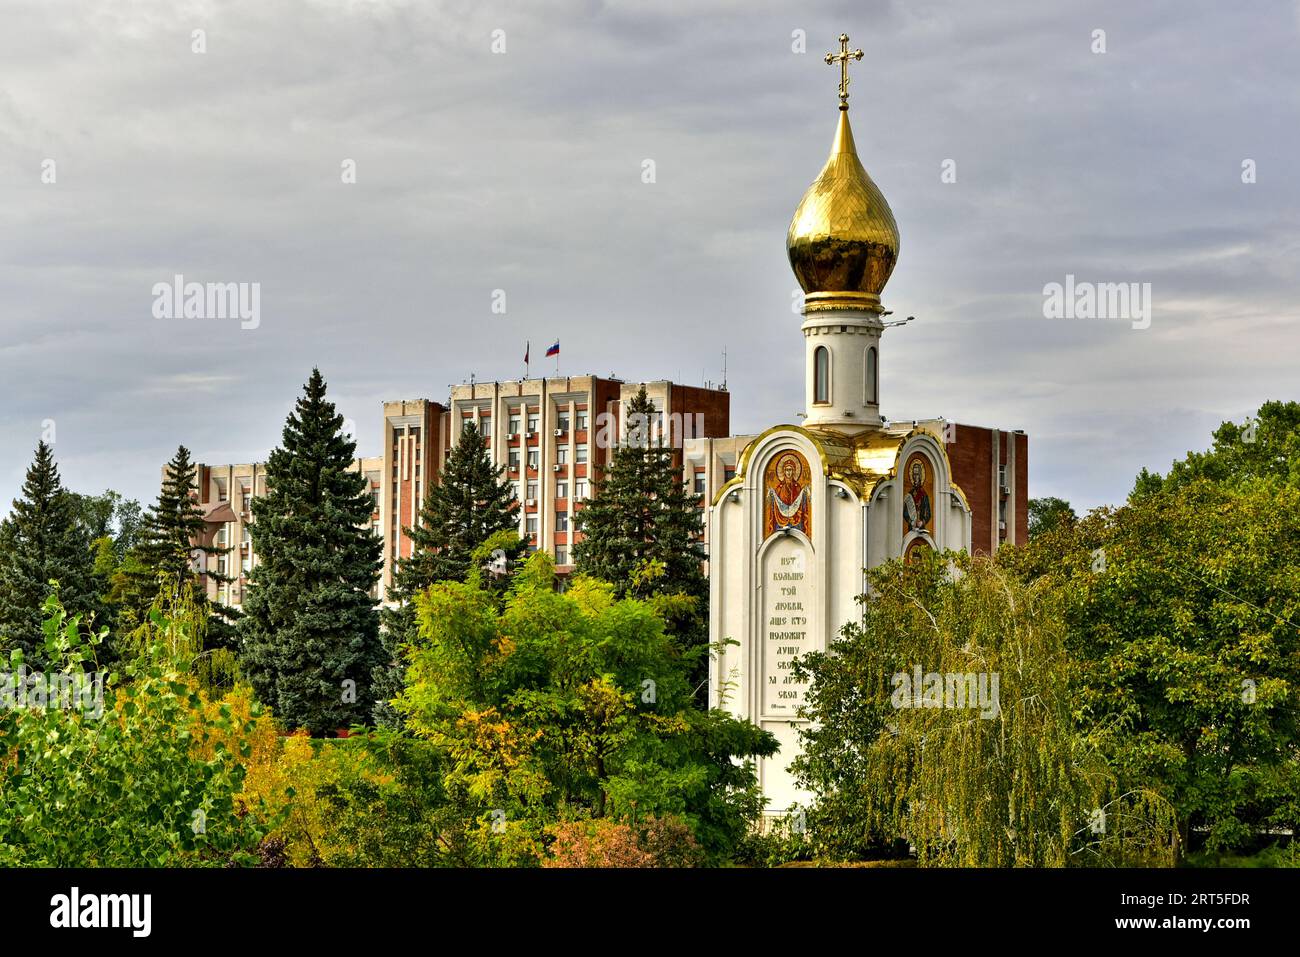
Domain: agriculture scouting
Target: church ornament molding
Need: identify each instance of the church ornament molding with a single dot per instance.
(857, 461)
(938, 443)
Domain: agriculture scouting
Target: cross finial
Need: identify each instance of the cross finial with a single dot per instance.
(843, 58)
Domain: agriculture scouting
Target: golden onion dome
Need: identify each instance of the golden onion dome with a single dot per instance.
(843, 241)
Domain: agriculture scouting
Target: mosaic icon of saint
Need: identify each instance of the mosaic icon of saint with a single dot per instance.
(916, 504)
(788, 502)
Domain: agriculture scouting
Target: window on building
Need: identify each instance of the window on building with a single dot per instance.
(414, 432)
(821, 375)
(580, 454)
(561, 521)
(247, 537)
(221, 565)
(485, 424)
(561, 489)
(580, 489)
(1002, 510)
(562, 455)
(531, 525)
(728, 473)
(561, 556)
(581, 419)
(873, 376)
(533, 459)
(514, 461)
(221, 537)
(532, 490)
(514, 424)
(699, 483)
(1002, 476)
(532, 422)
(562, 422)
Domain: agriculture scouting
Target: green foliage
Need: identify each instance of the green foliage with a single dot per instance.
(1265, 447)
(125, 787)
(1046, 514)
(109, 516)
(309, 636)
(1007, 780)
(555, 707)
(162, 565)
(1183, 610)
(43, 539)
(783, 841)
(470, 505)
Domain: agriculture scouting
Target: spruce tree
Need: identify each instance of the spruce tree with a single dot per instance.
(642, 513)
(309, 634)
(43, 539)
(171, 539)
(471, 502)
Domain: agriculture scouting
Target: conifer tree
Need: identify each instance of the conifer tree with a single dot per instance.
(471, 503)
(171, 542)
(642, 513)
(309, 634)
(42, 539)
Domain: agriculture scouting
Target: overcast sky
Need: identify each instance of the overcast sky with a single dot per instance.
(522, 171)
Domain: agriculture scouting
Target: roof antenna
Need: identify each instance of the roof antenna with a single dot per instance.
(724, 370)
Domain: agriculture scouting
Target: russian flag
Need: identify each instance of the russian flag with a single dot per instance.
(553, 350)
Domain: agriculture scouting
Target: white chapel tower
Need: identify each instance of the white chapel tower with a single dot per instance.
(813, 505)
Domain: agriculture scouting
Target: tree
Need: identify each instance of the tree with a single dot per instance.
(109, 516)
(558, 706)
(1046, 514)
(42, 539)
(945, 719)
(309, 635)
(471, 504)
(135, 769)
(1267, 446)
(1184, 619)
(641, 530)
(641, 513)
(174, 528)
(171, 541)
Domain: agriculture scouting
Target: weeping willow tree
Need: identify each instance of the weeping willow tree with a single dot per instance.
(176, 630)
(946, 722)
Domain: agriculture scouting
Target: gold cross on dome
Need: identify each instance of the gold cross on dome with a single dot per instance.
(843, 57)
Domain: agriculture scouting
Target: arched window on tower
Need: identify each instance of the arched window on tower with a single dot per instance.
(873, 376)
(822, 375)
